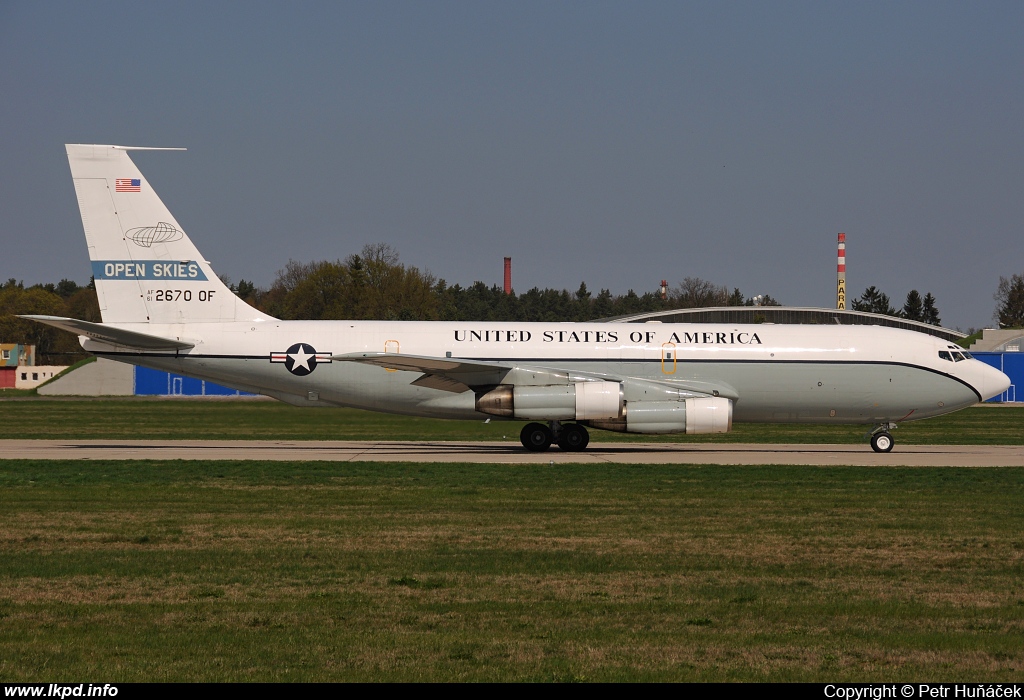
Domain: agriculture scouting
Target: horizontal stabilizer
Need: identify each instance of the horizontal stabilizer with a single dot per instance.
(109, 334)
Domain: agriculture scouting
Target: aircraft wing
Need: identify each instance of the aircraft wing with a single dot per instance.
(457, 375)
(112, 335)
(421, 363)
(696, 387)
(445, 373)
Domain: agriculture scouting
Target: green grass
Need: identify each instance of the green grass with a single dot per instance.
(970, 340)
(210, 571)
(246, 419)
(7, 393)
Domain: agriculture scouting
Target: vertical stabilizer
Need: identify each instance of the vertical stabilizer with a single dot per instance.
(145, 267)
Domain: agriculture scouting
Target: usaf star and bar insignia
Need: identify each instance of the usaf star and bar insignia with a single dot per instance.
(300, 359)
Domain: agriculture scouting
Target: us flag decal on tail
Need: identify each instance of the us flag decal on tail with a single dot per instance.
(127, 184)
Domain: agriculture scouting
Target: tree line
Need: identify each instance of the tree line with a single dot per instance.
(915, 308)
(374, 284)
(66, 298)
(1009, 297)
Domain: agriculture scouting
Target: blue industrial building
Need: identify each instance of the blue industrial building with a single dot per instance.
(151, 382)
(1009, 363)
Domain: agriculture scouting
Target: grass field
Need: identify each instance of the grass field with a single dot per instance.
(270, 420)
(139, 570)
(179, 571)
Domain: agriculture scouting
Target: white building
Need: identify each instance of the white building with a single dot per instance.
(31, 376)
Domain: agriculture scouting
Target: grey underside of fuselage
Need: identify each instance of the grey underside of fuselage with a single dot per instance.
(791, 392)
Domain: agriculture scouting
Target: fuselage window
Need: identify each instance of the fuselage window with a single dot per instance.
(943, 355)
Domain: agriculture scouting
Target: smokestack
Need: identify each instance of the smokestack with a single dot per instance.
(664, 290)
(508, 275)
(841, 274)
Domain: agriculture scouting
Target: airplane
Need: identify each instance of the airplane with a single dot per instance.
(163, 307)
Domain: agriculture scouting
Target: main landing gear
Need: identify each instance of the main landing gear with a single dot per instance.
(881, 438)
(538, 437)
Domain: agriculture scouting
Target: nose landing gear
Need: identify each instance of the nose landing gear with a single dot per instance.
(881, 438)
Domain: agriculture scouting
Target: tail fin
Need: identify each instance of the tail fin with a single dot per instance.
(146, 269)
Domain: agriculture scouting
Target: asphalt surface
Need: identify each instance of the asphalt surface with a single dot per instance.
(513, 453)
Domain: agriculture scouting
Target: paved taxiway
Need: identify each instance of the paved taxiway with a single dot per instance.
(513, 453)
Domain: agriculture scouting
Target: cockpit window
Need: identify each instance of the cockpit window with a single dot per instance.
(958, 357)
(943, 355)
(968, 355)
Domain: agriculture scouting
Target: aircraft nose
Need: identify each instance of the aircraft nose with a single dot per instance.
(993, 382)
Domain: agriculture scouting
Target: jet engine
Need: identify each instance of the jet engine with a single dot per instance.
(633, 406)
(710, 414)
(576, 401)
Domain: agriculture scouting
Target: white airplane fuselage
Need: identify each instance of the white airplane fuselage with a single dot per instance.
(774, 373)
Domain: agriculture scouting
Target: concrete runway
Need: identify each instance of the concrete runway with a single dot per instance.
(513, 453)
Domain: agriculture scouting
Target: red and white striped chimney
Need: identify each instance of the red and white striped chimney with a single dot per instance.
(841, 273)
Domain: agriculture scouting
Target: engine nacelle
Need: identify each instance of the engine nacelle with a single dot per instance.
(691, 416)
(708, 415)
(577, 401)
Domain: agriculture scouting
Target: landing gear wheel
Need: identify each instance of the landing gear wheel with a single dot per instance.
(573, 438)
(536, 437)
(882, 442)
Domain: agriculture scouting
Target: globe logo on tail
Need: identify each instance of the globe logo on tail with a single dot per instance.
(146, 236)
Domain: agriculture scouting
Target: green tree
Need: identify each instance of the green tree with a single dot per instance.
(83, 305)
(628, 303)
(245, 290)
(582, 299)
(53, 346)
(1010, 296)
(393, 291)
(929, 313)
(913, 307)
(874, 301)
(604, 304)
(66, 288)
(324, 293)
(447, 306)
(695, 293)
(371, 285)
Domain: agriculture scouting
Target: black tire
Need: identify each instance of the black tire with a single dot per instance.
(536, 437)
(574, 438)
(882, 442)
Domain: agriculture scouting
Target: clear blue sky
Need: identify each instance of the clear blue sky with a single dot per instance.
(616, 143)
